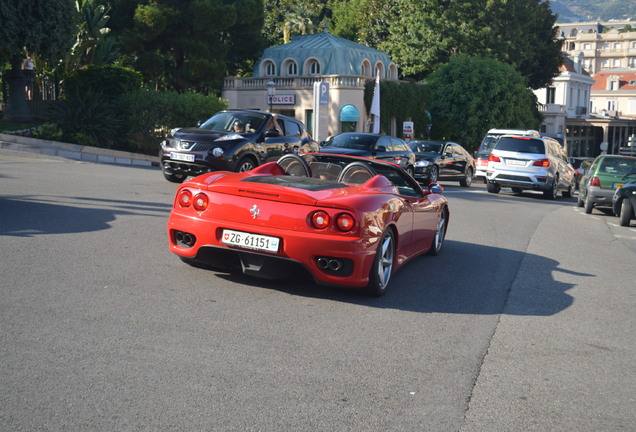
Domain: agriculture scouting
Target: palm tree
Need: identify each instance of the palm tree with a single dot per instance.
(299, 21)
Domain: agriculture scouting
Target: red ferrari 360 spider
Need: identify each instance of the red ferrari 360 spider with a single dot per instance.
(346, 220)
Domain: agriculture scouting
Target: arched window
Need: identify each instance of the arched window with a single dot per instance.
(365, 68)
(269, 68)
(314, 67)
(393, 72)
(291, 68)
(379, 67)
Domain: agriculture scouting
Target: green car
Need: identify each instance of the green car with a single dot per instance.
(607, 173)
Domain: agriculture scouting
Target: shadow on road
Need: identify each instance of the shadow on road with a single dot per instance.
(30, 216)
(466, 279)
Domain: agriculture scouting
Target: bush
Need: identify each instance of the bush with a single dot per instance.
(152, 114)
(112, 81)
(105, 106)
(89, 117)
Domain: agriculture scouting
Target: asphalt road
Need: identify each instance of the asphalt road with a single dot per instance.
(525, 322)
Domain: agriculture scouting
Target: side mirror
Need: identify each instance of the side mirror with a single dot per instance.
(435, 188)
(199, 123)
(271, 133)
(380, 149)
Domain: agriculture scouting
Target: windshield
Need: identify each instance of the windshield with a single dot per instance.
(521, 145)
(237, 122)
(426, 147)
(359, 142)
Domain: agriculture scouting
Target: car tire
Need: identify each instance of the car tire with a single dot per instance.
(568, 193)
(440, 234)
(493, 187)
(468, 178)
(589, 205)
(579, 200)
(627, 212)
(551, 193)
(175, 178)
(432, 178)
(245, 164)
(382, 267)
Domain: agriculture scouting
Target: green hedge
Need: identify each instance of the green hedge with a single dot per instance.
(105, 106)
(151, 114)
(406, 101)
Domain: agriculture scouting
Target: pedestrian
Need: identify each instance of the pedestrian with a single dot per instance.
(28, 66)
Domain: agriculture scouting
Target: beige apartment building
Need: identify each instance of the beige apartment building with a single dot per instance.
(606, 51)
(605, 45)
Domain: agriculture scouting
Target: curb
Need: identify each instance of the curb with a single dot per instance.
(75, 151)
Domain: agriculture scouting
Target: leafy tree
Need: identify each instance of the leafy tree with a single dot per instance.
(188, 44)
(472, 94)
(44, 28)
(363, 21)
(521, 33)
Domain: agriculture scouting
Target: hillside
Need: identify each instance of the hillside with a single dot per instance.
(592, 10)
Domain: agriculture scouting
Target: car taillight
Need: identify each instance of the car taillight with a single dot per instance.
(493, 158)
(345, 222)
(201, 201)
(185, 198)
(542, 163)
(320, 219)
(595, 181)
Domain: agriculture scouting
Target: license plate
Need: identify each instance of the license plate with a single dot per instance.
(250, 241)
(516, 162)
(617, 185)
(182, 157)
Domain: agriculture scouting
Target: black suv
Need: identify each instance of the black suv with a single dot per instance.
(232, 141)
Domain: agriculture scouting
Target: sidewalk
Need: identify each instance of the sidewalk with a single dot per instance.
(75, 151)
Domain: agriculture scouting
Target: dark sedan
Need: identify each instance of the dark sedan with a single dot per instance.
(381, 147)
(624, 203)
(232, 141)
(442, 160)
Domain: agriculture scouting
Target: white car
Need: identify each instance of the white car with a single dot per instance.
(481, 157)
(530, 163)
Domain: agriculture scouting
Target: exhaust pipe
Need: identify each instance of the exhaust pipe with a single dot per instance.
(334, 265)
(184, 239)
(323, 263)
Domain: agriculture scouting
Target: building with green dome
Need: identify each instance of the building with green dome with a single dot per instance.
(318, 79)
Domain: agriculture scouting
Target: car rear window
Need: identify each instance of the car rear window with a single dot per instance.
(520, 145)
(618, 166)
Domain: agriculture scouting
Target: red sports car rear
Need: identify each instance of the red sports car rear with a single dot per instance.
(351, 231)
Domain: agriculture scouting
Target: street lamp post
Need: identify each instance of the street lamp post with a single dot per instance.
(271, 91)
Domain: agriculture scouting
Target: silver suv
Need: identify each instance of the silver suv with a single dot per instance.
(530, 163)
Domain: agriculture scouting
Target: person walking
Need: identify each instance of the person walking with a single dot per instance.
(28, 66)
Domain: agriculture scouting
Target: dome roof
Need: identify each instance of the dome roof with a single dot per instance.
(337, 56)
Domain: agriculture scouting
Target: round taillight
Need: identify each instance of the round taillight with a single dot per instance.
(185, 198)
(201, 201)
(320, 219)
(345, 222)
